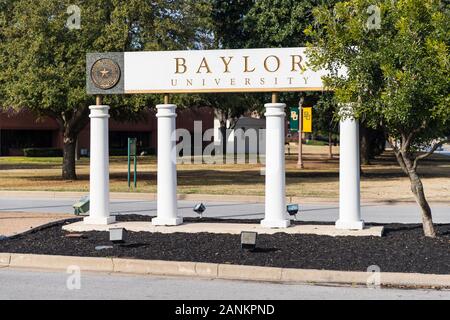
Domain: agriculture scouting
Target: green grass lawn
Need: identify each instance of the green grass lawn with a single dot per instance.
(30, 161)
(383, 180)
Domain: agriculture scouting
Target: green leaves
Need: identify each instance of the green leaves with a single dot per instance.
(400, 73)
(43, 61)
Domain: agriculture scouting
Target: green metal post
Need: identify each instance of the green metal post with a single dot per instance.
(129, 163)
(135, 171)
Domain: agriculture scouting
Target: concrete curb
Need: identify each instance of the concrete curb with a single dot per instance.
(5, 259)
(194, 197)
(220, 271)
(60, 262)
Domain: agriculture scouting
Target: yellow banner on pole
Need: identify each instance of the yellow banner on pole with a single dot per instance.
(307, 120)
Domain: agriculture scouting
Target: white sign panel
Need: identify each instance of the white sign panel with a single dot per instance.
(246, 70)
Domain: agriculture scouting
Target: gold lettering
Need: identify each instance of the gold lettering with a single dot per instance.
(266, 63)
(180, 63)
(226, 63)
(297, 62)
(204, 65)
(246, 68)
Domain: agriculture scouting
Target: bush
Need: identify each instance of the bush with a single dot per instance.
(118, 152)
(316, 143)
(42, 152)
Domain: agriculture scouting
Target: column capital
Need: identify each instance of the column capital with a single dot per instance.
(99, 111)
(275, 109)
(166, 111)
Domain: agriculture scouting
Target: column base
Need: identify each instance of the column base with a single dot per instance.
(99, 221)
(167, 221)
(275, 224)
(350, 225)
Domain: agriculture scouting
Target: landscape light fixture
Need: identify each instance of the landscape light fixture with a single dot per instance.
(293, 210)
(117, 235)
(200, 209)
(248, 240)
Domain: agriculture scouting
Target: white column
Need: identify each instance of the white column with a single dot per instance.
(276, 215)
(167, 170)
(349, 176)
(99, 167)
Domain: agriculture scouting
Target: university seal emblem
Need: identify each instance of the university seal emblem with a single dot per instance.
(105, 74)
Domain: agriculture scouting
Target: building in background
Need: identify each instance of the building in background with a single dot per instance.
(248, 136)
(23, 130)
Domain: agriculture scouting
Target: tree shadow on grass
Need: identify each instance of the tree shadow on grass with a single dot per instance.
(7, 166)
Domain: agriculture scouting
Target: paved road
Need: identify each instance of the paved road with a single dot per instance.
(404, 213)
(20, 284)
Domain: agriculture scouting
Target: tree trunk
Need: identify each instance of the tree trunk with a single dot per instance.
(70, 125)
(223, 132)
(330, 145)
(68, 167)
(365, 145)
(418, 191)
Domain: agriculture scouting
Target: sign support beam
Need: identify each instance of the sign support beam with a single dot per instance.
(349, 174)
(99, 165)
(275, 207)
(167, 206)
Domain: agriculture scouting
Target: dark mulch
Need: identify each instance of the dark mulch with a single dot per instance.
(402, 249)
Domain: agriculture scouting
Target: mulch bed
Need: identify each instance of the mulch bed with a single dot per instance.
(402, 249)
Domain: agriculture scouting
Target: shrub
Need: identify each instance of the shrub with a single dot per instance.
(42, 152)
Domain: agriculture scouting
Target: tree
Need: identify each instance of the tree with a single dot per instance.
(397, 59)
(227, 19)
(227, 32)
(43, 52)
(372, 142)
(281, 23)
(325, 119)
(254, 24)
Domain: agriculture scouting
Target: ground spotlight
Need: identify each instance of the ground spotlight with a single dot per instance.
(293, 210)
(200, 209)
(248, 240)
(117, 235)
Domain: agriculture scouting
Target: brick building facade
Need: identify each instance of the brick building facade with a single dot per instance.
(24, 130)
